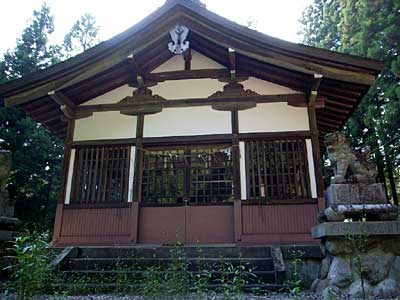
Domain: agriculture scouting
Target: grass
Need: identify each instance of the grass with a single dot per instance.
(32, 275)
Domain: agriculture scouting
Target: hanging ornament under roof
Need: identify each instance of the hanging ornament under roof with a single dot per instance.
(178, 35)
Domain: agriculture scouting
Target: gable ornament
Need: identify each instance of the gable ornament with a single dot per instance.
(178, 35)
(142, 101)
(232, 92)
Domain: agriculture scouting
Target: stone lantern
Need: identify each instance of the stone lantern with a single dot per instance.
(359, 231)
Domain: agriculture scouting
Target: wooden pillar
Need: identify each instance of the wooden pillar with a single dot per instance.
(137, 191)
(64, 179)
(236, 154)
(316, 155)
(134, 222)
(237, 218)
(237, 206)
(139, 159)
(312, 118)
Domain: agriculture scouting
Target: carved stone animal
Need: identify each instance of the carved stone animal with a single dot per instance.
(344, 158)
(5, 168)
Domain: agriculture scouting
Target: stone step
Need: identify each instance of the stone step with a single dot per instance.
(78, 288)
(167, 251)
(112, 263)
(113, 275)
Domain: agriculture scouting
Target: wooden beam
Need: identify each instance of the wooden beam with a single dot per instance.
(231, 106)
(62, 99)
(190, 74)
(295, 99)
(67, 106)
(312, 96)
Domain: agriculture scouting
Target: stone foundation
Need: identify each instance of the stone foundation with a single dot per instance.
(308, 263)
(373, 260)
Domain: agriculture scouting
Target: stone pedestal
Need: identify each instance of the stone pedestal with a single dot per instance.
(6, 204)
(359, 256)
(355, 193)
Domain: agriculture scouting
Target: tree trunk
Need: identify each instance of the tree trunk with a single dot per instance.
(392, 182)
(381, 171)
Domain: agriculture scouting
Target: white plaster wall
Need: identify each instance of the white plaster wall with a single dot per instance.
(273, 117)
(263, 87)
(67, 199)
(105, 125)
(187, 121)
(187, 88)
(243, 181)
(131, 173)
(177, 63)
(311, 169)
(200, 61)
(113, 96)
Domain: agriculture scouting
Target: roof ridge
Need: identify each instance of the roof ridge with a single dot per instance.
(190, 2)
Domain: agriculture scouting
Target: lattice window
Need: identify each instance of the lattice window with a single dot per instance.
(277, 170)
(193, 175)
(101, 175)
(163, 177)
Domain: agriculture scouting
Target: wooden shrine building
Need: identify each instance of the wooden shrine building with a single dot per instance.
(190, 127)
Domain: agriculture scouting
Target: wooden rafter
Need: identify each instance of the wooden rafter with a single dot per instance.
(69, 108)
(232, 63)
(312, 95)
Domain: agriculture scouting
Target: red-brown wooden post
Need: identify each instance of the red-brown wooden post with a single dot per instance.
(137, 195)
(237, 206)
(237, 218)
(64, 179)
(315, 141)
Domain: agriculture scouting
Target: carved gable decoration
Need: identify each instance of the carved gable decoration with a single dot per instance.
(178, 35)
(232, 92)
(142, 101)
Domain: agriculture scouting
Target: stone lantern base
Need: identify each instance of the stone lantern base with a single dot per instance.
(359, 257)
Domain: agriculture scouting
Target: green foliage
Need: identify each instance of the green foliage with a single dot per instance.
(153, 283)
(173, 281)
(33, 51)
(36, 159)
(201, 280)
(295, 284)
(232, 279)
(31, 273)
(36, 153)
(177, 276)
(359, 243)
(370, 29)
(82, 36)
